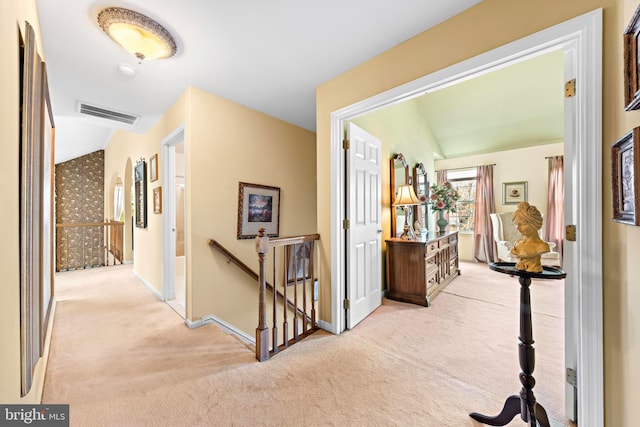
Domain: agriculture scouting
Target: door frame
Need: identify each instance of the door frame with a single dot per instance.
(580, 37)
(169, 213)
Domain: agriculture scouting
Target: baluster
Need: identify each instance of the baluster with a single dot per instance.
(84, 244)
(66, 232)
(285, 323)
(274, 333)
(312, 275)
(295, 292)
(304, 288)
(262, 331)
(106, 235)
(92, 248)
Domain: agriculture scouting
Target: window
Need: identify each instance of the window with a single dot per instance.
(463, 180)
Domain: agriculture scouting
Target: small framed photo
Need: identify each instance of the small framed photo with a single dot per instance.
(625, 178)
(514, 192)
(157, 200)
(153, 168)
(258, 207)
(631, 64)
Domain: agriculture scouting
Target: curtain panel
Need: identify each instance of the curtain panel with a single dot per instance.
(483, 245)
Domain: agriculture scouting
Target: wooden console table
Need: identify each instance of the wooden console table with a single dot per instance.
(525, 404)
(418, 269)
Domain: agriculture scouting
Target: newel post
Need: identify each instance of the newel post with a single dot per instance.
(262, 331)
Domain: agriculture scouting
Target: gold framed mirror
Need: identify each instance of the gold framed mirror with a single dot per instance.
(399, 174)
(421, 186)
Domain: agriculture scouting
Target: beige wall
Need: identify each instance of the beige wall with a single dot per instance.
(225, 143)
(126, 148)
(13, 14)
(524, 164)
(490, 24)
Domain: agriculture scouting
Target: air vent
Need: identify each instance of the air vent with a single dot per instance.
(103, 113)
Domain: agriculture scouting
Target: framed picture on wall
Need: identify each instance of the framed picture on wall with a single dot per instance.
(625, 178)
(631, 68)
(514, 192)
(258, 207)
(157, 200)
(153, 168)
(140, 179)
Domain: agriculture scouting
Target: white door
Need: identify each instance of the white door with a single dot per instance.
(364, 236)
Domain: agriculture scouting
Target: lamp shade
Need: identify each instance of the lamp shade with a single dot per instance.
(406, 196)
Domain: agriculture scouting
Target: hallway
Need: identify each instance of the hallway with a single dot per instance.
(120, 357)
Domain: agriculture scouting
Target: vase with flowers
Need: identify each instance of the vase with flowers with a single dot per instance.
(443, 200)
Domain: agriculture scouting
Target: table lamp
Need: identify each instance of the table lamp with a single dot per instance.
(405, 198)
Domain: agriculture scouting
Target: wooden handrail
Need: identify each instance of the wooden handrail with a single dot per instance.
(234, 259)
(296, 240)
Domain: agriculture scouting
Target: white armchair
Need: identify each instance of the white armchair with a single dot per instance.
(505, 233)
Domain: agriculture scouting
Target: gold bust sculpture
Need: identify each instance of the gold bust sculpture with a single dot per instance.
(530, 247)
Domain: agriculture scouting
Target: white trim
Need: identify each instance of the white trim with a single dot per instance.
(229, 329)
(583, 34)
(325, 326)
(148, 285)
(196, 324)
(168, 218)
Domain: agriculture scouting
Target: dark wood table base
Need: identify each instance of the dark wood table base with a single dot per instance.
(524, 404)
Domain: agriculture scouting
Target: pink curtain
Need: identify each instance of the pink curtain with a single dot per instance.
(483, 250)
(554, 229)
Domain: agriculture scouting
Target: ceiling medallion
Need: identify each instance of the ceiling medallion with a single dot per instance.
(137, 33)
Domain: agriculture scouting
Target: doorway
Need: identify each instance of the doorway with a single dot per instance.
(580, 39)
(174, 272)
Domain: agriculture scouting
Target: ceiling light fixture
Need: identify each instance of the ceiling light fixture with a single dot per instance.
(137, 33)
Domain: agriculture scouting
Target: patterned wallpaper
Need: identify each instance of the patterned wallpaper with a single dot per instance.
(79, 185)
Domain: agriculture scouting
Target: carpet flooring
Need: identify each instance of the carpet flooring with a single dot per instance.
(120, 357)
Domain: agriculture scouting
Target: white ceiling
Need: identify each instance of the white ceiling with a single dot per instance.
(269, 56)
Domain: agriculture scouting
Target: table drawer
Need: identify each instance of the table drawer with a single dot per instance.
(432, 247)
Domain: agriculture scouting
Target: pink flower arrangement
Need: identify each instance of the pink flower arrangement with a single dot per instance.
(443, 197)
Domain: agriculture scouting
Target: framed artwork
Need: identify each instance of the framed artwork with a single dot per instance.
(157, 200)
(140, 179)
(258, 207)
(153, 168)
(631, 75)
(625, 178)
(514, 192)
(31, 194)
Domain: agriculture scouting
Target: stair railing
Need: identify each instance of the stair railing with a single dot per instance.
(88, 245)
(298, 254)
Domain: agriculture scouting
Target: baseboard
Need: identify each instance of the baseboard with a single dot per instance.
(226, 327)
(37, 387)
(148, 285)
(326, 326)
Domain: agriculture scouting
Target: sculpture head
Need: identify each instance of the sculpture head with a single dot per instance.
(527, 218)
